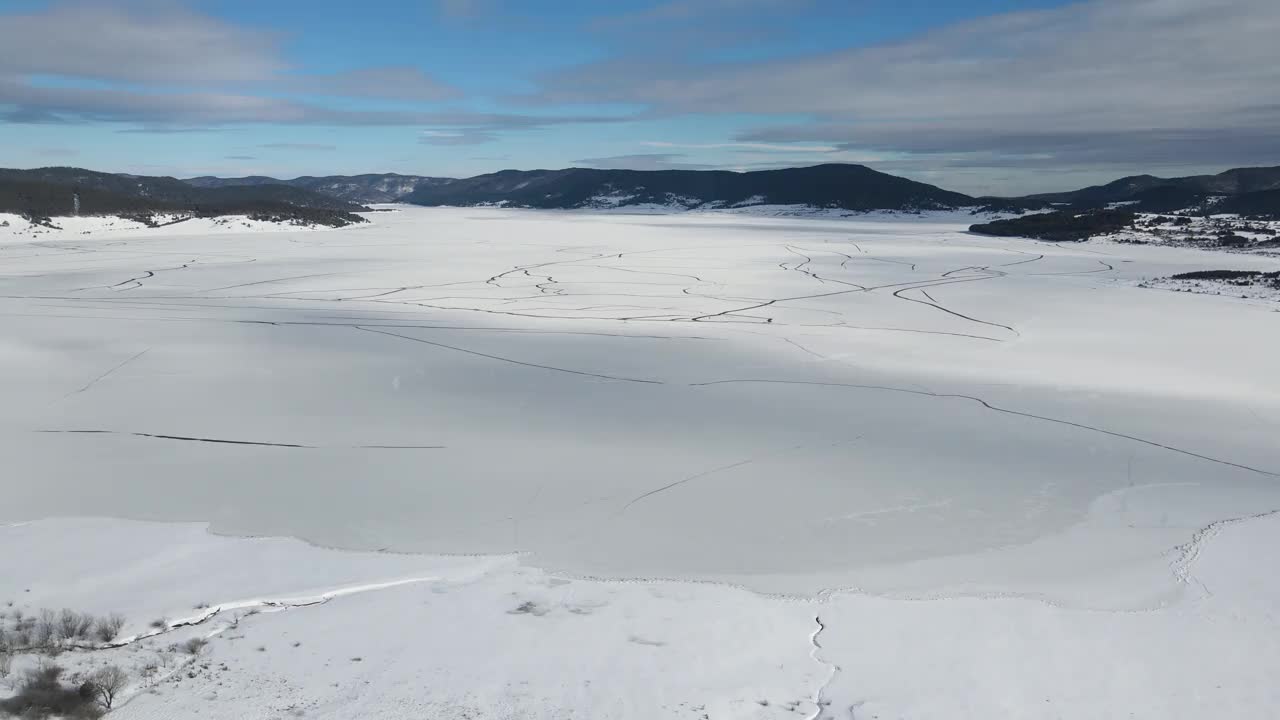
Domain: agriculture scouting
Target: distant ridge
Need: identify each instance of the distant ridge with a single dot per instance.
(1253, 194)
(1238, 181)
(848, 187)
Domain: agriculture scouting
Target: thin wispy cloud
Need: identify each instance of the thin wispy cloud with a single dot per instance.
(751, 146)
(682, 11)
(168, 130)
(642, 161)
(312, 147)
(456, 137)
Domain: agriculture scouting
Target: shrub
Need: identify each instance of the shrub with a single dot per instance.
(194, 645)
(42, 694)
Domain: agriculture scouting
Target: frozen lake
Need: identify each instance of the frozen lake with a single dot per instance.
(791, 405)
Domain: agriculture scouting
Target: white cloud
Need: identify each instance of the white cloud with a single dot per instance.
(1103, 62)
(1128, 80)
(158, 62)
(143, 42)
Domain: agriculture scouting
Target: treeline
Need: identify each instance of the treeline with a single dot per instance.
(850, 187)
(1234, 277)
(1062, 226)
(42, 201)
(1261, 204)
(45, 193)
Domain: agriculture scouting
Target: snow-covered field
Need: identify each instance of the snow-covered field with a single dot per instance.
(1261, 288)
(749, 464)
(16, 228)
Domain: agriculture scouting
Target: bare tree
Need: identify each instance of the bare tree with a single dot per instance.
(45, 629)
(108, 627)
(72, 624)
(107, 683)
(85, 623)
(68, 621)
(22, 633)
(6, 664)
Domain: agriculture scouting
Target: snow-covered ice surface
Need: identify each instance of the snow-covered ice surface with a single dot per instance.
(980, 468)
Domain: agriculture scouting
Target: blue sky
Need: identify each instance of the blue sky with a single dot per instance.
(999, 96)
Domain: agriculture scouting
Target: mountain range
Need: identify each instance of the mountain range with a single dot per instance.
(847, 187)
(855, 188)
(1239, 181)
(1243, 191)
